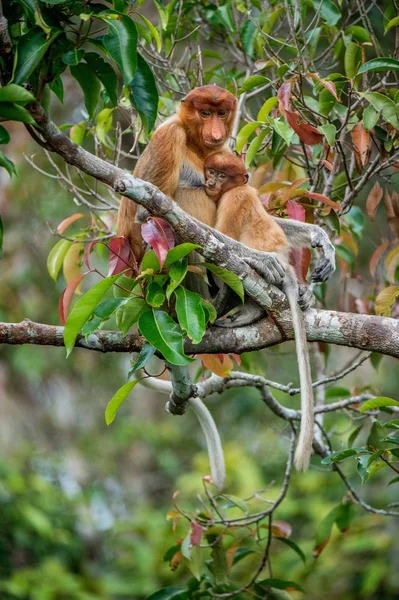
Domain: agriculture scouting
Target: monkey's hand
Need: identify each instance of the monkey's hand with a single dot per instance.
(267, 265)
(142, 215)
(305, 297)
(326, 264)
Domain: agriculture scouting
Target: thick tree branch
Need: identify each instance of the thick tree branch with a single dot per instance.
(376, 334)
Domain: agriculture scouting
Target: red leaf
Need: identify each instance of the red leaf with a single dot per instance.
(300, 258)
(329, 85)
(66, 297)
(195, 534)
(158, 234)
(237, 358)
(220, 365)
(86, 253)
(68, 221)
(306, 133)
(119, 255)
(376, 257)
(295, 211)
(281, 529)
(324, 199)
(327, 164)
(373, 200)
(361, 143)
(283, 96)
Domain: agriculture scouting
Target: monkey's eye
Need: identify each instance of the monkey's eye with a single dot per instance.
(222, 176)
(205, 113)
(211, 172)
(222, 113)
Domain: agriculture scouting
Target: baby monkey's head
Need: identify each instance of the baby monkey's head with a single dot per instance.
(223, 171)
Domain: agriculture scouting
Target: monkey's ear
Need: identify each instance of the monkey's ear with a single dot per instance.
(246, 177)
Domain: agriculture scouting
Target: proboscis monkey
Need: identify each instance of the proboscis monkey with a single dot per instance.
(174, 160)
(241, 216)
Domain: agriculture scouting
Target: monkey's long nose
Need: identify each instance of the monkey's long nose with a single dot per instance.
(211, 183)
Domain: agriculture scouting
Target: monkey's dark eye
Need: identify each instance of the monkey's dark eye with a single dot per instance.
(211, 172)
(205, 113)
(222, 176)
(222, 113)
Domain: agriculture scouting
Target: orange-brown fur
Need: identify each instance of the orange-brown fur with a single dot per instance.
(187, 138)
(241, 216)
(240, 213)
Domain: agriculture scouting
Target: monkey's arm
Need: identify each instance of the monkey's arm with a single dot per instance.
(159, 164)
(305, 234)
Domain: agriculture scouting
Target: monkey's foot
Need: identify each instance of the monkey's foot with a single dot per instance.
(326, 264)
(267, 265)
(306, 298)
(240, 316)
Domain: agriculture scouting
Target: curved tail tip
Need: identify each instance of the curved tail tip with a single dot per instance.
(302, 459)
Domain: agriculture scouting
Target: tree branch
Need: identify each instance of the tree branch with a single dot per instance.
(376, 334)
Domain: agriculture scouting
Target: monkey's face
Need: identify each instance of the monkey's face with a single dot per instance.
(215, 182)
(214, 124)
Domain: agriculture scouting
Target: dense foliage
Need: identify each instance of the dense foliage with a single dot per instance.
(318, 98)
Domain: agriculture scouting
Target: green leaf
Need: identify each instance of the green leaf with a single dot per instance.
(210, 311)
(283, 129)
(252, 82)
(153, 30)
(294, 547)
(117, 399)
(236, 501)
(267, 108)
(155, 295)
(73, 57)
(90, 85)
(165, 335)
(57, 87)
(224, 13)
(32, 46)
(15, 93)
(121, 44)
(254, 147)
(384, 105)
(77, 133)
(337, 392)
(244, 134)
(358, 33)
(378, 403)
(144, 356)
(352, 59)
(177, 273)
(329, 131)
(394, 480)
(4, 135)
(7, 164)
(370, 118)
(144, 94)
(328, 11)
(231, 279)
(392, 23)
(105, 74)
(335, 457)
(83, 310)
(190, 313)
(15, 112)
(104, 124)
(107, 308)
(179, 252)
(169, 593)
(375, 359)
(380, 64)
(56, 257)
(279, 584)
(129, 314)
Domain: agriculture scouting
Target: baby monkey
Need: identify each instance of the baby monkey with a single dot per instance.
(242, 216)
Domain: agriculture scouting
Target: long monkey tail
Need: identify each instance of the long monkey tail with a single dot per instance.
(304, 446)
(213, 443)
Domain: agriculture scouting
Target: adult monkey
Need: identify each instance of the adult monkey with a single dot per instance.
(174, 161)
